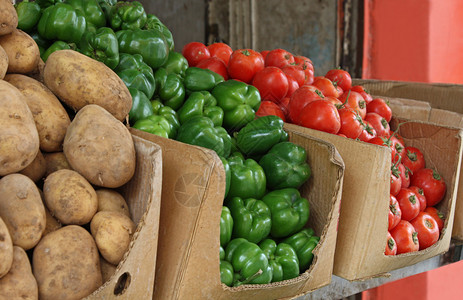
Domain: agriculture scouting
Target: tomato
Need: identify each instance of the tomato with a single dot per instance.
(413, 159)
(420, 196)
(307, 67)
(320, 115)
(368, 132)
(381, 107)
(270, 108)
(300, 98)
(395, 214)
(296, 72)
(272, 83)
(333, 100)
(292, 86)
(278, 58)
(284, 105)
(398, 146)
(427, 228)
(264, 53)
(385, 142)
(379, 123)
(391, 246)
(405, 237)
(351, 123)
(432, 183)
(437, 215)
(355, 101)
(365, 94)
(404, 176)
(327, 87)
(396, 181)
(341, 78)
(195, 52)
(221, 51)
(409, 204)
(244, 64)
(214, 64)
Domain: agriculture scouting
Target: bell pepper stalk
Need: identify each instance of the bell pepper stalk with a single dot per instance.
(57, 45)
(197, 79)
(169, 114)
(285, 166)
(135, 73)
(303, 242)
(28, 14)
(101, 45)
(176, 63)
(153, 22)
(282, 259)
(226, 167)
(247, 177)
(141, 106)
(169, 88)
(201, 104)
(94, 15)
(226, 226)
(127, 15)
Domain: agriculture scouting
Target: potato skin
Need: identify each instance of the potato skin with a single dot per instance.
(8, 17)
(70, 197)
(6, 249)
(50, 116)
(22, 210)
(36, 169)
(79, 80)
(23, 52)
(100, 147)
(19, 139)
(66, 264)
(111, 200)
(107, 269)
(56, 161)
(3, 62)
(19, 283)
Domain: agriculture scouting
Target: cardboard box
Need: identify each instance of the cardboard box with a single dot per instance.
(192, 197)
(363, 220)
(134, 276)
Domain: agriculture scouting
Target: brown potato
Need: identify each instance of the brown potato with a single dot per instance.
(112, 232)
(56, 161)
(8, 17)
(6, 249)
(107, 269)
(70, 197)
(66, 264)
(23, 52)
(37, 73)
(79, 80)
(36, 169)
(19, 283)
(100, 147)
(51, 118)
(52, 223)
(111, 200)
(18, 133)
(22, 210)
(3, 62)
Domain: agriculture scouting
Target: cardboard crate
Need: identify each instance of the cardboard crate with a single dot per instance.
(363, 221)
(134, 276)
(192, 197)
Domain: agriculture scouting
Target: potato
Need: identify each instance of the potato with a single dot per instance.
(50, 116)
(79, 80)
(66, 264)
(19, 139)
(100, 147)
(23, 52)
(6, 249)
(112, 232)
(37, 73)
(70, 197)
(19, 283)
(111, 200)
(22, 210)
(107, 269)
(36, 169)
(8, 17)
(52, 223)
(56, 161)
(3, 62)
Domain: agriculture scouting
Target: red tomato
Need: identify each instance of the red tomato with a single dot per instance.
(379, 123)
(340, 134)
(396, 181)
(296, 72)
(284, 105)
(264, 53)
(437, 215)
(355, 101)
(278, 58)
(395, 214)
(351, 123)
(307, 67)
(195, 52)
(391, 246)
(299, 99)
(244, 64)
(405, 237)
(272, 83)
(413, 159)
(214, 64)
(404, 176)
(381, 107)
(398, 146)
(432, 183)
(320, 115)
(409, 204)
(270, 108)
(420, 196)
(368, 132)
(220, 50)
(333, 100)
(427, 228)
(341, 78)
(365, 94)
(292, 86)
(327, 87)
(385, 142)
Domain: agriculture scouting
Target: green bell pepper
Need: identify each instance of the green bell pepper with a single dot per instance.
(153, 22)
(176, 63)
(226, 167)
(303, 242)
(40, 41)
(282, 259)
(46, 3)
(127, 15)
(150, 44)
(290, 212)
(197, 79)
(62, 22)
(285, 166)
(101, 45)
(226, 226)
(226, 272)
(169, 114)
(57, 45)
(141, 106)
(239, 102)
(249, 262)
(169, 88)
(261, 134)
(154, 124)
(135, 73)
(251, 218)
(201, 104)
(94, 15)
(247, 178)
(106, 8)
(28, 14)
(200, 131)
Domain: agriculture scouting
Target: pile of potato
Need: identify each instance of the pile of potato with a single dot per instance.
(63, 152)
